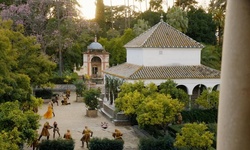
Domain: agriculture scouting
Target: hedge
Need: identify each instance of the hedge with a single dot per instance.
(58, 144)
(105, 144)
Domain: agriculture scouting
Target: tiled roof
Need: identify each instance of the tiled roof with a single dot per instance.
(162, 35)
(135, 72)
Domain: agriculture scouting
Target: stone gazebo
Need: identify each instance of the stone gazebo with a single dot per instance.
(163, 53)
(95, 60)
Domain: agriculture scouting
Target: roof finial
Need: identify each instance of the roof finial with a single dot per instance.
(161, 18)
(95, 38)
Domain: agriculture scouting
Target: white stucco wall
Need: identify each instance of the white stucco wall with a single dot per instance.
(135, 56)
(163, 56)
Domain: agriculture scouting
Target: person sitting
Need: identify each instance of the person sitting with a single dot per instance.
(55, 100)
(67, 93)
(117, 134)
(65, 101)
(67, 135)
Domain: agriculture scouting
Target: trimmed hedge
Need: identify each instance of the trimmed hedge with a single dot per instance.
(163, 143)
(44, 93)
(105, 144)
(200, 115)
(58, 144)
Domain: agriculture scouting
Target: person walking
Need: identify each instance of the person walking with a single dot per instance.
(55, 129)
(45, 131)
(87, 133)
(49, 113)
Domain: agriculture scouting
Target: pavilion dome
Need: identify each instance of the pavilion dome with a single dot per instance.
(95, 46)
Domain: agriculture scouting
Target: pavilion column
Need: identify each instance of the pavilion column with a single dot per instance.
(234, 105)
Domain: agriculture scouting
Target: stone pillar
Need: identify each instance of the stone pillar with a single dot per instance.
(234, 105)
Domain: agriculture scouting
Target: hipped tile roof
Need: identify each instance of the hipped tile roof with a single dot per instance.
(136, 72)
(162, 35)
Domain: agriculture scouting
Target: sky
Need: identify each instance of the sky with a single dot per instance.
(88, 6)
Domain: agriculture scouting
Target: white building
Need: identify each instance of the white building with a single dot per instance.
(162, 53)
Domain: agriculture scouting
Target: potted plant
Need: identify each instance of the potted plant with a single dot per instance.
(91, 101)
(80, 87)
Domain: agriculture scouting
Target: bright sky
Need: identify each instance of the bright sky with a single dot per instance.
(88, 6)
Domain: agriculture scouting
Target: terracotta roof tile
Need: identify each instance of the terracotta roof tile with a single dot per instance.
(135, 72)
(162, 35)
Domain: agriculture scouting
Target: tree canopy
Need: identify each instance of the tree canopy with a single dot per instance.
(23, 64)
(17, 127)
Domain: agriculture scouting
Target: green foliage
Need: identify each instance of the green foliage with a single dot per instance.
(140, 27)
(152, 17)
(158, 109)
(211, 56)
(58, 144)
(90, 98)
(10, 140)
(80, 87)
(169, 87)
(208, 99)
(163, 143)
(201, 27)
(17, 127)
(177, 18)
(115, 47)
(194, 136)
(200, 115)
(132, 95)
(105, 144)
(149, 106)
(22, 64)
(130, 102)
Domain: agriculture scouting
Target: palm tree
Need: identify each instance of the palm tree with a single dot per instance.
(218, 10)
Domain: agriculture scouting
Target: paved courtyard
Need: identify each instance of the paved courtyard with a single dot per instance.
(73, 117)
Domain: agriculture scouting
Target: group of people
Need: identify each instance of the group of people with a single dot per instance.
(87, 134)
(50, 112)
(47, 126)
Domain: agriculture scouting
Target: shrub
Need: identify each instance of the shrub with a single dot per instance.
(90, 98)
(105, 144)
(59, 144)
(194, 136)
(200, 115)
(162, 143)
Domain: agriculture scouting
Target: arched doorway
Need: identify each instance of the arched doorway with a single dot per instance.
(95, 67)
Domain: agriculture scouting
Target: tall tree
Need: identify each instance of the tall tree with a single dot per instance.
(177, 18)
(211, 56)
(23, 64)
(201, 26)
(57, 26)
(184, 4)
(218, 10)
(99, 13)
(155, 5)
(140, 27)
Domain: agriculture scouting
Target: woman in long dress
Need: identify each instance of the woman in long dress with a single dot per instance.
(49, 113)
